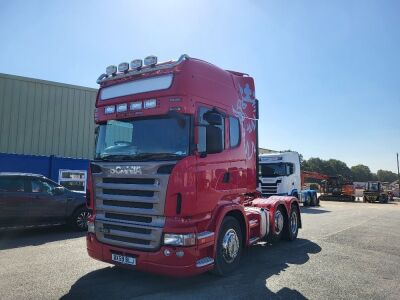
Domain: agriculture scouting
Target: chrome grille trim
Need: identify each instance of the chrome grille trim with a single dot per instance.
(143, 191)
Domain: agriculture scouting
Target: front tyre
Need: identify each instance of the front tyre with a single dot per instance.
(229, 247)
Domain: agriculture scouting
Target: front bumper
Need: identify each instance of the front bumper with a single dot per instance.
(155, 262)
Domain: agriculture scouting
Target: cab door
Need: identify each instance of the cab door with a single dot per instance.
(14, 202)
(213, 173)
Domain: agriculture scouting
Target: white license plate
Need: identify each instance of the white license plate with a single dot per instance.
(122, 259)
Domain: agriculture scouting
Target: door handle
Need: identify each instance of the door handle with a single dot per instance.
(227, 177)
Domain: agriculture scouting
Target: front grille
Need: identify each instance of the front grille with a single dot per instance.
(130, 207)
(126, 239)
(131, 218)
(128, 192)
(269, 189)
(126, 228)
(129, 180)
(127, 204)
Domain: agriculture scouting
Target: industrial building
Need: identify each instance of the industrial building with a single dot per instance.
(46, 127)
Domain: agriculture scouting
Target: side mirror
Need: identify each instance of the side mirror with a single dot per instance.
(213, 118)
(214, 142)
(59, 190)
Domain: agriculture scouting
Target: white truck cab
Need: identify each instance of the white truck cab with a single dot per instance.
(279, 174)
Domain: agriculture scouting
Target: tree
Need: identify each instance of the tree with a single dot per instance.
(386, 176)
(361, 173)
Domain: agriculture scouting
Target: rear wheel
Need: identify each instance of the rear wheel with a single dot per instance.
(314, 201)
(229, 247)
(292, 228)
(279, 223)
(307, 200)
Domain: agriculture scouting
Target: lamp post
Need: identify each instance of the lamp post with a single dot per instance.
(398, 172)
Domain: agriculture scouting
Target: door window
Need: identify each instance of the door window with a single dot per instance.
(12, 184)
(202, 138)
(42, 186)
(234, 132)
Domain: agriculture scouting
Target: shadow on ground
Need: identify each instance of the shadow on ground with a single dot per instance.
(36, 236)
(313, 210)
(258, 264)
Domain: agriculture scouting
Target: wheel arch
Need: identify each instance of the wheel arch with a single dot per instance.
(235, 211)
(238, 215)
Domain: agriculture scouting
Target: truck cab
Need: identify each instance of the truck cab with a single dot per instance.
(279, 174)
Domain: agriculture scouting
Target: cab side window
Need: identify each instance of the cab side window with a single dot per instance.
(234, 132)
(289, 168)
(204, 142)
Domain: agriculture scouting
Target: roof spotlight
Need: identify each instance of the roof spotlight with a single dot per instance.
(123, 67)
(150, 60)
(111, 70)
(136, 64)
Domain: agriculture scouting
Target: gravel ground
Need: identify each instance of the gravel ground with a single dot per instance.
(344, 251)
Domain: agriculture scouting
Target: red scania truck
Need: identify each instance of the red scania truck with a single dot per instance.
(173, 183)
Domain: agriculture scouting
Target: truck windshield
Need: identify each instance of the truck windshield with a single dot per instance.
(144, 139)
(373, 186)
(273, 170)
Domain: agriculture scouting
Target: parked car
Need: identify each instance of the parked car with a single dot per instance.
(32, 199)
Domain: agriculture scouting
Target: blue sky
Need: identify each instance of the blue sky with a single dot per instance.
(327, 73)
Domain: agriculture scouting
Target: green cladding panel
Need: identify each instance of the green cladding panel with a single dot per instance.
(46, 118)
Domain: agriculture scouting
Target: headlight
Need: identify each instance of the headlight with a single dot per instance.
(172, 239)
(90, 227)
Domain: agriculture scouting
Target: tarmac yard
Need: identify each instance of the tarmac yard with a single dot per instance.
(344, 251)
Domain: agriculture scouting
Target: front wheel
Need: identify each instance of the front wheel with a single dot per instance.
(229, 247)
(79, 219)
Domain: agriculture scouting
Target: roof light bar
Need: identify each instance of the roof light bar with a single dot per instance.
(136, 67)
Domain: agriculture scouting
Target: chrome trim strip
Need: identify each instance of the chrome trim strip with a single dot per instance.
(253, 240)
(204, 262)
(205, 234)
